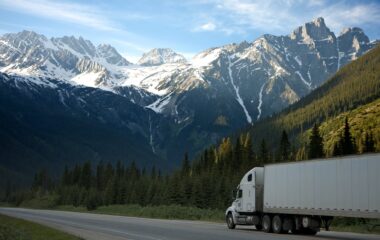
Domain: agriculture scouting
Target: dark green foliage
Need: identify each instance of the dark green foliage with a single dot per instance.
(346, 143)
(42, 181)
(284, 153)
(315, 144)
(92, 200)
(204, 183)
(369, 143)
(263, 153)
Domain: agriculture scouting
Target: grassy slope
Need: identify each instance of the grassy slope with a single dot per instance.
(362, 119)
(17, 229)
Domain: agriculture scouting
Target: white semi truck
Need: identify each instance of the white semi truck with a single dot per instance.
(302, 197)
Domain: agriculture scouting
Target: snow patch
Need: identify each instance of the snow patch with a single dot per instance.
(303, 80)
(260, 101)
(151, 136)
(238, 98)
(298, 60)
(87, 79)
(205, 59)
(159, 104)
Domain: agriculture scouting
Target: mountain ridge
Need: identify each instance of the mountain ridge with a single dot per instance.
(176, 107)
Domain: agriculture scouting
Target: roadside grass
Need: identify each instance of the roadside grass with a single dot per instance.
(162, 212)
(17, 229)
(371, 226)
(40, 202)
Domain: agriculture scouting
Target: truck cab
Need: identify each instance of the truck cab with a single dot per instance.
(248, 200)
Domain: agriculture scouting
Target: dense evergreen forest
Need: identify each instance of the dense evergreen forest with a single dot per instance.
(339, 118)
(207, 182)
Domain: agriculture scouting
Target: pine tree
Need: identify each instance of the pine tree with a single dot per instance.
(337, 149)
(86, 175)
(185, 165)
(153, 173)
(316, 144)
(66, 179)
(369, 144)
(92, 199)
(263, 153)
(101, 178)
(347, 141)
(237, 157)
(284, 147)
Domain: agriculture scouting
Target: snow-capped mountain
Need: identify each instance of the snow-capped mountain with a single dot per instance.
(67, 58)
(160, 56)
(186, 104)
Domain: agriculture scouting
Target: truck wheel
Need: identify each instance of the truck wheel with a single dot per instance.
(267, 224)
(230, 221)
(277, 224)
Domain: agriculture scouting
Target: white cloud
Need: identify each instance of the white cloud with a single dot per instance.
(85, 15)
(282, 16)
(210, 26)
(134, 46)
(341, 15)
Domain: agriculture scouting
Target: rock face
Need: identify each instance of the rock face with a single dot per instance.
(179, 105)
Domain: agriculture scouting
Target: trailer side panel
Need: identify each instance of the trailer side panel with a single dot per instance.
(348, 186)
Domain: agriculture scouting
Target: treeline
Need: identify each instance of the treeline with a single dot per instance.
(206, 182)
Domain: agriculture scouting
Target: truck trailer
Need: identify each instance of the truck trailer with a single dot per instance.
(302, 197)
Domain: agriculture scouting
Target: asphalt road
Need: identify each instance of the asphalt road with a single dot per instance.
(107, 227)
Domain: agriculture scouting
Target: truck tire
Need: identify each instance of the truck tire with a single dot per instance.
(230, 221)
(277, 224)
(259, 227)
(267, 224)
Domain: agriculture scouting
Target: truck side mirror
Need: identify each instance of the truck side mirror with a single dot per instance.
(240, 193)
(234, 194)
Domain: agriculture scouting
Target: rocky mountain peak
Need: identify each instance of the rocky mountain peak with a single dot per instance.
(315, 30)
(79, 45)
(354, 33)
(158, 56)
(353, 42)
(24, 39)
(110, 54)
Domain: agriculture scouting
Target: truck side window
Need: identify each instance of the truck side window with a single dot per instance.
(250, 177)
(240, 193)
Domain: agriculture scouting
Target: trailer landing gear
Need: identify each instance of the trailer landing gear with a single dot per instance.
(326, 221)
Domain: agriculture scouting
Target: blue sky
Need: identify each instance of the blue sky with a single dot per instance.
(187, 26)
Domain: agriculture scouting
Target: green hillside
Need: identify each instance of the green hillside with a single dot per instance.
(356, 84)
(365, 119)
